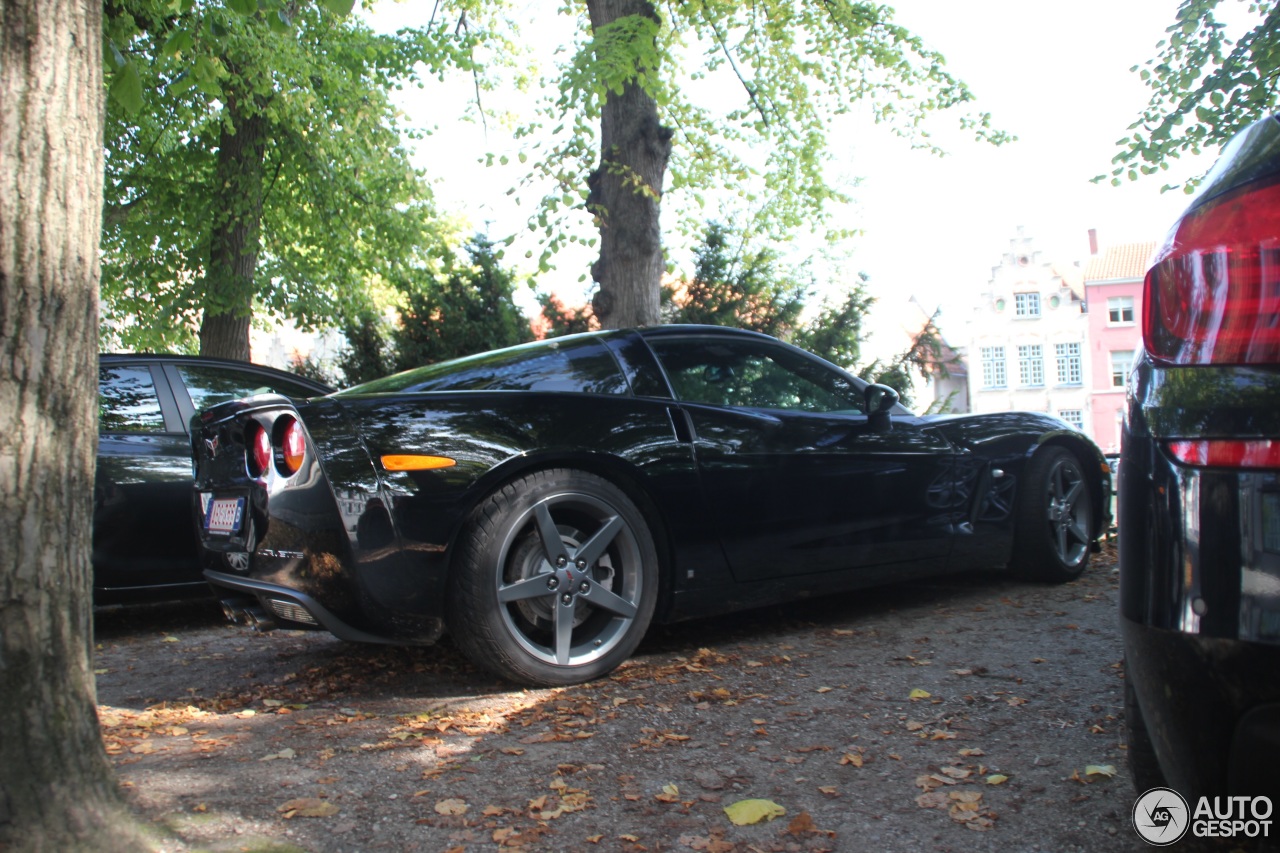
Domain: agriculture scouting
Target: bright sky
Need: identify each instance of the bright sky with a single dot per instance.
(1055, 74)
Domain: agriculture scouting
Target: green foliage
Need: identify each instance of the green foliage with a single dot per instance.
(338, 208)
(368, 354)
(1205, 86)
(735, 286)
(469, 311)
(797, 67)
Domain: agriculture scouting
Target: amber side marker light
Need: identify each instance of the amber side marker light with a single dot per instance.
(409, 462)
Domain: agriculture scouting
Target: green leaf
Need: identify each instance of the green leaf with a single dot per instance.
(126, 88)
(244, 7)
(180, 41)
(339, 7)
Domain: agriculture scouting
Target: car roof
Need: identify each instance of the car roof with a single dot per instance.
(122, 357)
(685, 329)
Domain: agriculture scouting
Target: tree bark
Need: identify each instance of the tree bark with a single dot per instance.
(626, 192)
(233, 251)
(56, 786)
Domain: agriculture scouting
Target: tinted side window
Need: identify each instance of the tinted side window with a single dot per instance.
(127, 400)
(210, 385)
(754, 375)
(584, 366)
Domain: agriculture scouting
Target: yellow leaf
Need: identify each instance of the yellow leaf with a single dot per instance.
(919, 694)
(997, 779)
(1107, 770)
(307, 807)
(451, 806)
(170, 640)
(852, 758)
(747, 812)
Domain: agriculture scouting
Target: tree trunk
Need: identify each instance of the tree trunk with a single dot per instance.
(233, 252)
(56, 786)
(626, 191)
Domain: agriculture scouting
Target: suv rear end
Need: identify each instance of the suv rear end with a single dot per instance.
(1199, 491)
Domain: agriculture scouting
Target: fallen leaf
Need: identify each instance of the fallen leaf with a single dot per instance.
(853, 758)
(1108, 770)
(307, 807)
(451, 806)
(801, 824)
(997, 779)
(284, 753)
(917, 693)
(748, 812)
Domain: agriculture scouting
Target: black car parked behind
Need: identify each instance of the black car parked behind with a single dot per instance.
(144, 541)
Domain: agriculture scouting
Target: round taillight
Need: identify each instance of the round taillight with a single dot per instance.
(292, 447)
(258, 450)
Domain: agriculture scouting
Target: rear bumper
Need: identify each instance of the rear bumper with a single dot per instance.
(292, 608)
(1212, 707)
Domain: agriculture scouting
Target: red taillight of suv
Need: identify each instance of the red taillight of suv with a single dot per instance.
(1213, 297)
(257, 449)
(292, 445)
(1227, 453)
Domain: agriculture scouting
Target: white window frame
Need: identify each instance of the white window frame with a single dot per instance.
(1117, 307)
(1031, 365)
(1067, 357)
(1121, 366)
(994, 372)
(1026, 304)
(1075, 417)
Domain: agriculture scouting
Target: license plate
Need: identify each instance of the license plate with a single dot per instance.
(223, 516)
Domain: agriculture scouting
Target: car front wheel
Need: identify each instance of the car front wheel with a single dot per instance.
(1054, 527)
(555, 581)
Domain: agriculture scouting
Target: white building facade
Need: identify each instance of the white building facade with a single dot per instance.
(1027, 340)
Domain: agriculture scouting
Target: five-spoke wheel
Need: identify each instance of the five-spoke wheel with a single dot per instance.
(1054, 520)
(556, 580)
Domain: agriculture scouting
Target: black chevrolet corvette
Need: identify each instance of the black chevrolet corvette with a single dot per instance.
(547, 502)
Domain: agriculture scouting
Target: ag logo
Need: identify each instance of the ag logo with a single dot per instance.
(1161, 816)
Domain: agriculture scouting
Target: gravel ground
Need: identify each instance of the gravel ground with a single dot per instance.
(965, 713)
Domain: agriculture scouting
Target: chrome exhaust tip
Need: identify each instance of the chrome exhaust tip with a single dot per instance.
(258, 619)
(234, 610)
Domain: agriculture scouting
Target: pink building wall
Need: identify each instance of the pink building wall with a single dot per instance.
(1106, 337)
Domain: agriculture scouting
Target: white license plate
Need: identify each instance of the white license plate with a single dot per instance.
(224, 515)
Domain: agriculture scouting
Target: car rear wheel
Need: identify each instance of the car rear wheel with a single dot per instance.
(1054, 529)
(555, 581)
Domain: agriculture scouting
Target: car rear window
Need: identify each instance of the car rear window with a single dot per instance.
(584, 366)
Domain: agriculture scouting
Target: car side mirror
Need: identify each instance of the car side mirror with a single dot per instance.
(879, 401)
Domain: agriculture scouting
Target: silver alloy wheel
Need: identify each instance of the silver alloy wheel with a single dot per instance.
(569, 579)
(1068, 512)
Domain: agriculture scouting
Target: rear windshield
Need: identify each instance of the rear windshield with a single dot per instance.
(582, 365)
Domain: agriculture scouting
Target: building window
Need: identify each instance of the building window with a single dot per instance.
(1030, 364)
(1119, 309)
(1075, 417)
(1026, 304)
(993, 375)
(1068, 359)
(1121, 365)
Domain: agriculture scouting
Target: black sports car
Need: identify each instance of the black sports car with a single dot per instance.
(547, 502)
(1199, 497)
(144, 544)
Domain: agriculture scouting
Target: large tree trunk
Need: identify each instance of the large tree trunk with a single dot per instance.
(233, 255)
(625, 192)
(56, 786)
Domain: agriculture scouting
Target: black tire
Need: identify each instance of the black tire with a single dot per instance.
(1054, 522)
(555, 580)
(1144, 767)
